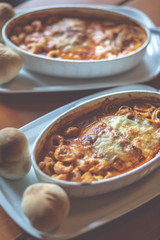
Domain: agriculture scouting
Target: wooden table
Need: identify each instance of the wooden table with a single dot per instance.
(18, 110)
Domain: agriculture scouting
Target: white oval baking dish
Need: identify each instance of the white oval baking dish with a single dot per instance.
(75, 68)
(75, 189)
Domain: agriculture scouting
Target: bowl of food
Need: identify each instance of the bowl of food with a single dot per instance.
(101, 145)
(67, 41)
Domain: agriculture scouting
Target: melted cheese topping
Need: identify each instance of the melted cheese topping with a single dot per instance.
(124, 138)
(141, 133)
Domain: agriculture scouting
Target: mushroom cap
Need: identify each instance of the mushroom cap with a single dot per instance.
(10, 63)
(46, 205)
(6, 12)
(15, 161)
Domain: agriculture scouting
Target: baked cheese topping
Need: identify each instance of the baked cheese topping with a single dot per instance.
(103, 145)
(78, 38)
(141, 133)
(112, 146)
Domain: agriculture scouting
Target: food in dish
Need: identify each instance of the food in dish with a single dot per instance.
(6, 12)
(45, 205)
(15, 161)
(67, 42)
(100, 145)
(112, 140)
(78, 38)
(10, 64)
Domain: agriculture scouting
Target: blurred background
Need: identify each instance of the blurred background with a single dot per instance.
(13, 2)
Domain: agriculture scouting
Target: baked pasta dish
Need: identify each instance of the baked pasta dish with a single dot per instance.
(78, 38)
(104, 143)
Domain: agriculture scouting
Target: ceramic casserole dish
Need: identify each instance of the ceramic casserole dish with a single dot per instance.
(67, 41)
(101, 145)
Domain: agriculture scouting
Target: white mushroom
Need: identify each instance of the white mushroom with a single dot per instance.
(15, 161)
(6, 12)
(10, 64)
(46, 205)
